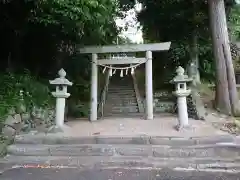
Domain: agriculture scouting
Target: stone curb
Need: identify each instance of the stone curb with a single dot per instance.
(173, 141)
(217, 150)
(124, 163)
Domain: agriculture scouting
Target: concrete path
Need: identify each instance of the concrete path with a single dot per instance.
(161, 126)
(113, 174)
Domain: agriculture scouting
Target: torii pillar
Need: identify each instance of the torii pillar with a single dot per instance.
(149, 86)
(148, 48)
(94, 89)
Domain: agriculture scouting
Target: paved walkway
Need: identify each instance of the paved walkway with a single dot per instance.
(160, 126)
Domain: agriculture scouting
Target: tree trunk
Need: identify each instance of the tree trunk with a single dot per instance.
(194, 63)
(233, 94)
(222, 92)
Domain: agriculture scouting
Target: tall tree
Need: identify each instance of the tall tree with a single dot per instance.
(226, 91)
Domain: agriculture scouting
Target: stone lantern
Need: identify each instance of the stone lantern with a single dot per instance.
(60, 94)
(181, 93)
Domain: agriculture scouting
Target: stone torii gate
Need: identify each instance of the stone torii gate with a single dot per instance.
(148, 48)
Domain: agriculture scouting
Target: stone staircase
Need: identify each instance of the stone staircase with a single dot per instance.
(216, 152)
(121, 98)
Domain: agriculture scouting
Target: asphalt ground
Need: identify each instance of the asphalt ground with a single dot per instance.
(112, 174)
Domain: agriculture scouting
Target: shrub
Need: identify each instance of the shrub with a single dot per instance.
(22, 89)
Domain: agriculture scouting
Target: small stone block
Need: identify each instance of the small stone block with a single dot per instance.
(76, 140)
(171, 141)
(184, 128)
(135, 151)
(214, 139)
(123, 140)
(77, 150)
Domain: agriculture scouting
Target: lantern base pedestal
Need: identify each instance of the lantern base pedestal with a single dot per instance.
(184, 128)
(59, 129)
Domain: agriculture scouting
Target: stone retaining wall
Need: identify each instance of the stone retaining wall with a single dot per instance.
(165, 102)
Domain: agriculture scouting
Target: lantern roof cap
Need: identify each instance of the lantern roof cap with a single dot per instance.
(61, 80)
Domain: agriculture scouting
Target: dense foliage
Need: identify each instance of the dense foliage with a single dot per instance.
(43, 36)
(180, 22)
(40, 34)
(22, 90)
(234, 23)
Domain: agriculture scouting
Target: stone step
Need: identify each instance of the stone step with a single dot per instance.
(122, 162)
(116, 87)
(117, 107)
(197, 151)
(214, 152)
(120, 91)
(120, 87)
(131, 90)
(120, 104)
(120, 114)
(126, 107)
(113, 103)
(118, 111)
(120, 95)
(116, 91)
(42, 138)
(124, 115)
(121, 98)
(121, 101)
(121, 109)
